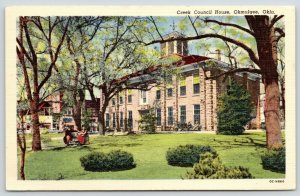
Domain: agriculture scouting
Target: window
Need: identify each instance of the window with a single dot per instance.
(158, 94)
(182, 86)
(182, 90)
(196, 114)
(121, 119)
(183, 114)
(107, 120)
(121, 100)
(143, 98)
(170, 115)
(130, 121)
(196, 83)
(68, 111)
(196, 88)
(158, 117)
(169, 92)
(113, 101)
(129, 98)
(114, 120)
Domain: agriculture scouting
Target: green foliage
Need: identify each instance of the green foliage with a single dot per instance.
(211, 167)
(44, 131)
(147, 122)
(87, 120)
(188, 155)
(274, 160)
(115, 160)
(234, 110)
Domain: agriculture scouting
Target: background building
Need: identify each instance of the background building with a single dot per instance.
(184, 98)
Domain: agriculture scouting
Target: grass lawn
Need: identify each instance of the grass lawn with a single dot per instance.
(60, 162)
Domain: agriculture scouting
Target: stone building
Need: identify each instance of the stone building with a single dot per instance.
(186, 97)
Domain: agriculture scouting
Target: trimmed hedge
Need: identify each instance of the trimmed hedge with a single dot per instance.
(211, 167)
(188, 155)
(274, 160)
(113, 161)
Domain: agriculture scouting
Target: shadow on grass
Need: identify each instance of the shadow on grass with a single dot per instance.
(118, 145)
(74, 147)
(236, 143)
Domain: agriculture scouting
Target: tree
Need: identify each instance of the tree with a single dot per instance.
(147, 122)
(234, 110)
(37, 65)
(22, 111)
(79, 37)
(262, 52)
(114, 58)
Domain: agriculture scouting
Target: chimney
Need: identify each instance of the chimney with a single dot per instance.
(218, 55)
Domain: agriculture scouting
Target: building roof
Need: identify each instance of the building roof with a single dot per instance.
(183, 60)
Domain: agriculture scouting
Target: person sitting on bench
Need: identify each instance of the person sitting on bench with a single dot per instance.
(68, 135)
(81, 136)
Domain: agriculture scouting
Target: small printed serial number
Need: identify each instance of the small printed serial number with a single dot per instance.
(276, 181)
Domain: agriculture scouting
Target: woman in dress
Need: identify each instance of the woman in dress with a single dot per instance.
(81, 135)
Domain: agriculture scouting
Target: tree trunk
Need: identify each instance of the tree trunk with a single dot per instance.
(36, 137)
(22, 146)
(272, 115)
(77, 114)
(22, 164)
(101, 120)
(102, 128)
(268, 63)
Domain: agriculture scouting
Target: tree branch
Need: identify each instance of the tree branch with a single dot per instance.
(231, 25)
(251, 53)
(193, 25)
(230, 72)
(153, 21)
(281, 33)
(274, 20)
(26, 78)
(55, 57)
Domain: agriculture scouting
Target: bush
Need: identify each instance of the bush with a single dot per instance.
(274, 160)
(115, 160)
(187, 156)
(234, 110)
(211, 167)
(147, 123)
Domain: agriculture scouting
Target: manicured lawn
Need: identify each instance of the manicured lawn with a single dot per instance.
(60, 162)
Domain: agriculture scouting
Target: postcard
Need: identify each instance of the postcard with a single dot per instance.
(150, 98)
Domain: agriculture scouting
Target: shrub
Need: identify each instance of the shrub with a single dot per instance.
(274, 160)
(187, 156)
(234, 110)
(115, 160)
(147, 123)
(211, 167)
